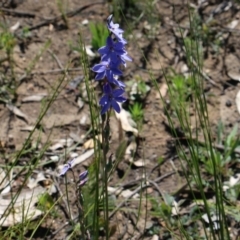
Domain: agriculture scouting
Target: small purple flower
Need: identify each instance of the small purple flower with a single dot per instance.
(66, 167)
(83, 178)
(114, 28)
(111, 98)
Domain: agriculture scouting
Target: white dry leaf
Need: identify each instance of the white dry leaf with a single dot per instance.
(77, 160)
(127, 193)
(73, 155)
(85, 22)
(214, 220)
(54, 158)
(5, 186)
(83, 157)
(130, 150)
(138, 163)
(15, 27)
(232, 65)
(232, 182)
(238, 101)
(126, 120)
(27, 128)
(89, 51)
(129, 155)
(34, 98)
(17, 112)
(61, 144)
(155, 237)
(23, 206)
(33, 182)
(80, 103)
(115, 191)
(232, 24)
(175, 208)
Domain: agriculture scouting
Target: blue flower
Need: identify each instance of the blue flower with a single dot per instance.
(66, 167)
(111, 98)
(106, 69)
(113, 56)
(83, 178)
(112, 50)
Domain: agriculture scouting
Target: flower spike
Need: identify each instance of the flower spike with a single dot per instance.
(113, 55)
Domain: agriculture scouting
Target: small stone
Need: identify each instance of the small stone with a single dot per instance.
(228, 103)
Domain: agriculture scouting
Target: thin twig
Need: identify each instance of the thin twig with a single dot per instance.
(17, 13)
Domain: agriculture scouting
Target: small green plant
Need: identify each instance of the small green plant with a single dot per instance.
(99, 35)
(137, 112)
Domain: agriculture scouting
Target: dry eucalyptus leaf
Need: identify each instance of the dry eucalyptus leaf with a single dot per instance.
(238, 101)
(232, 24)
(89, 144)
(15, 27)
(5, 182)
(61, 144)
(155, 237)
(17, 112)
(232, 65)
(126, 120)
(83, 157)
(138, 163)
(23, 207)
(34, 98)
(27, 128)
(127, 193)
(78, 160)
(89, 51)
(130, 150)
(33, 182)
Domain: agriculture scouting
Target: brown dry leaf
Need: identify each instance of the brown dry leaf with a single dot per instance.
(18, 112)
(126, 120)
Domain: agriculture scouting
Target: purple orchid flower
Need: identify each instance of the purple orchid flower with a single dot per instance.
(111, 98)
